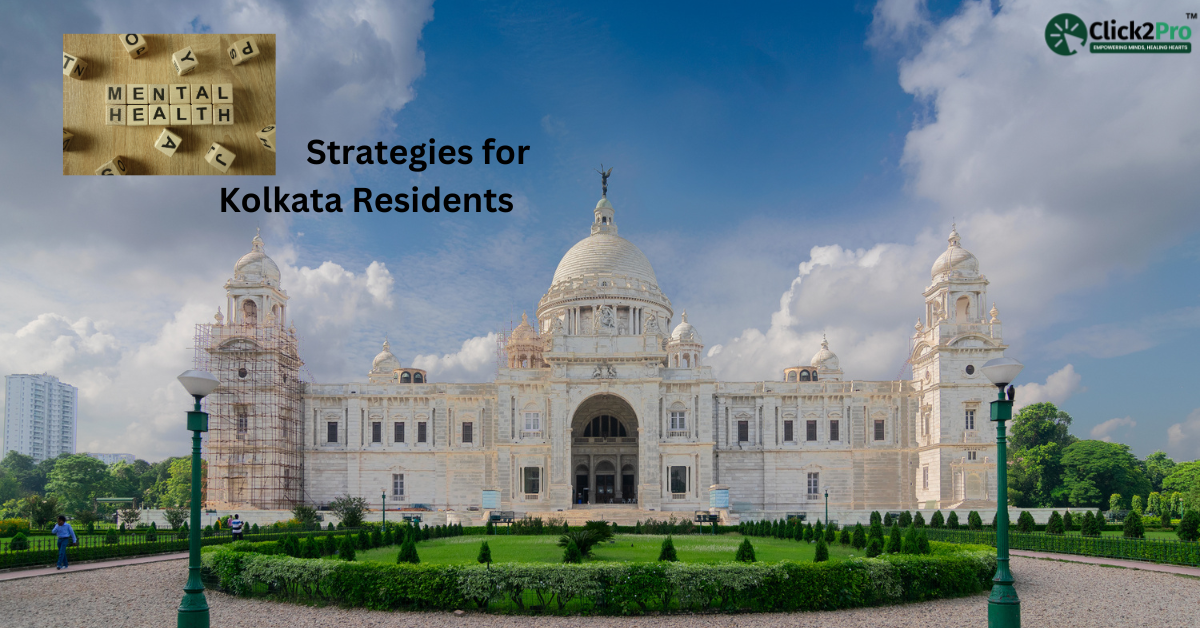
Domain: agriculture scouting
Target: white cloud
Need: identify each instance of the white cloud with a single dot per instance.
(1060, 386)
(897, 21)
(1107, 429)
(475, 361)
(1183, 439)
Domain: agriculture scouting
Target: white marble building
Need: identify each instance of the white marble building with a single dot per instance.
(603, 399)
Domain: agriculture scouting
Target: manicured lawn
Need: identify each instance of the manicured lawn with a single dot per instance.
(624, 548)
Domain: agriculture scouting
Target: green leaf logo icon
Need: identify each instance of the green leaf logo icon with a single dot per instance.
(1066, 34)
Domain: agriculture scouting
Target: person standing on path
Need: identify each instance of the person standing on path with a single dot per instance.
(235, 525)
(66, 536)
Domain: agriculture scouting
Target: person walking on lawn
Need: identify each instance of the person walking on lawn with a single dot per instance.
(66, 536)
(235, 526)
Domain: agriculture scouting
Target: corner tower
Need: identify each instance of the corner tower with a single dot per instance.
(255, 428)
(957, 448)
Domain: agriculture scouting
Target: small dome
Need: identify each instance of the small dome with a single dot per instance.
(385, 362)
(955, 259)
(684, 332)
(256, 266)
(825, 359)
(603, 202)
(524, 331)
(604, 254)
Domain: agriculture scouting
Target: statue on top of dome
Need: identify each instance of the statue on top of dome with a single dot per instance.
(604, 175)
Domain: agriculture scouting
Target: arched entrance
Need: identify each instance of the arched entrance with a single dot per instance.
(604, 452)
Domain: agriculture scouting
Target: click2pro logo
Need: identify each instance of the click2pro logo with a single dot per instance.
(1067, 34)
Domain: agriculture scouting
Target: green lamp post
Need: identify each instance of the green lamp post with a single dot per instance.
(1004, 608)
(193, 610)
(383, 501)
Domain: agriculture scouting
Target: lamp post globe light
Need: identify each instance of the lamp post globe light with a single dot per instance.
(193, 610)
(1004, 608)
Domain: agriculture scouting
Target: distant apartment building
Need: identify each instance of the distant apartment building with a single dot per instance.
(40, 416)
(112, 458)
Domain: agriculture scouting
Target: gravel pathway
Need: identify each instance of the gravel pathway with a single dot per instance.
(1053, 593)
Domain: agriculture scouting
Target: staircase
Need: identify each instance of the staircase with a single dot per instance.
(623, 515)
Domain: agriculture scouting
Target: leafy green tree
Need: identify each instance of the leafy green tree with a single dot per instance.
(745, 552)
(1035, 477)
(1133, 526)
(175, 516)
(818, 531)
(306, 515)
(42, 510)
(830, 532)
(1089, 522)
(485, 554)
(1137, 505)
(937, 520)
(572, 554)
(895, 543)
(29, 476)
(347, 550)
(18, 543)
(874, 548)
(667, 553)
(974, 521)
(1114, 502)
(905, 519)
(76, 479)
(875, 518)
(583, 539)
(1068, 522)
(919, 520)
(330, 545)
(845, 537)
(1158, 466)
(952, 520)
(349, 509)
(1189, 526)
(1092, 469)
(1039, 424)
(860, 537)
(1181, 478)
(923, 543)
(1025, 522)
(822, 552)
(111, 537)
(1154, 504)
(176, 488)
(875, 532)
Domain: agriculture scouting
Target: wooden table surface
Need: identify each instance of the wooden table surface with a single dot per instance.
(108, 63)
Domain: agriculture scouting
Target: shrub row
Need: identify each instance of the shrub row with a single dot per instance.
(1170, 552)
(605, 588)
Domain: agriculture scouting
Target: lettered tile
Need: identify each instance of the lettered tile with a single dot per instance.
(222, 94)
(202, 114)
(114, 115)
(181, 115)
(137, 94)
(219, 157)
(201, 93)
(184, 61)
(243, 51)
(139, 115)
(223, 115)
(180, 94)
(67, 140)
(115, 94)
(167, 143)
(73, 66)
(267, 137)
(158, 94)
(159, 115)
(114, 167)
(135, 45)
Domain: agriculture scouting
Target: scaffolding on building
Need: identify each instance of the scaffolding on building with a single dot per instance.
(255, 438)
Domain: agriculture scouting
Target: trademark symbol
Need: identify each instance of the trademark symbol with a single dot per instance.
(1191, 16)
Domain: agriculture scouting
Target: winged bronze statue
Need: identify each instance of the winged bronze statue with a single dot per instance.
(604, 174)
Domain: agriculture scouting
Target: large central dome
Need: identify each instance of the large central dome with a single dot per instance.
(605, 254)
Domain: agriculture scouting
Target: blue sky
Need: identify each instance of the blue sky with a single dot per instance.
(789, 170)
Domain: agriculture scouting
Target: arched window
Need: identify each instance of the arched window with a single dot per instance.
(814, 376)
(687, 361)
(962, 309)
(604, 426)
(406, 378)
(249, 312)
(791, 376)
(675, 360)
(805, 377)
(418, 378)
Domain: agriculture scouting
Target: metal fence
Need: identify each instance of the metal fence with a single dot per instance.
(43, 550)
(1149, 550)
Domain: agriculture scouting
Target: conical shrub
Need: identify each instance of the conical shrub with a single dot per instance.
(667, 553)
(745, 552)
(822, 553)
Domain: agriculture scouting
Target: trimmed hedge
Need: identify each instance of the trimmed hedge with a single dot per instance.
(1169, 552)
(605, 588)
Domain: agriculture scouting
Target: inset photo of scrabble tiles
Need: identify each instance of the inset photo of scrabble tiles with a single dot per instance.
(139, 104)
